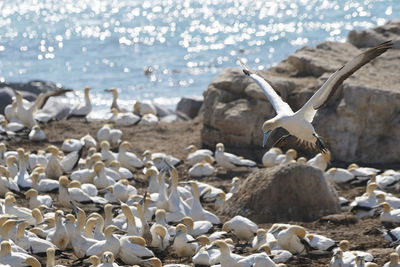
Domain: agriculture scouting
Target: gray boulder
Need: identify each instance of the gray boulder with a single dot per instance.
(293, 192)
(375, 36)
(360, 124)
(35, 87)
(190, 106)
(6, 95)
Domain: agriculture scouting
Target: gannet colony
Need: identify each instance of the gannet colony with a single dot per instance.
(78, 203)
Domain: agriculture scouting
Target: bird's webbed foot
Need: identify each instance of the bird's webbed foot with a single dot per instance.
(320, 144)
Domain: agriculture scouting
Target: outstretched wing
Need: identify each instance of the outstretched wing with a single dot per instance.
(322, 96)
(278, 104)
(43, 97)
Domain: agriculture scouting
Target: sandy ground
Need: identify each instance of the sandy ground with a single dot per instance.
(173, 138)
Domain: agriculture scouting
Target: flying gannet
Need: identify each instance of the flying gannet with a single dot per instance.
(299, 123)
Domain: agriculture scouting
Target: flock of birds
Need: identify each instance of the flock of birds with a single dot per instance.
(104, 220)
(82, 199)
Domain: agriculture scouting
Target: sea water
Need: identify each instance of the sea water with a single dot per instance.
(161, 50)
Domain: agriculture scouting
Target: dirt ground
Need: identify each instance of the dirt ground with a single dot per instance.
(173, 138)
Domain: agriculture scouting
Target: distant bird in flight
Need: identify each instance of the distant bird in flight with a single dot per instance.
(299, 123)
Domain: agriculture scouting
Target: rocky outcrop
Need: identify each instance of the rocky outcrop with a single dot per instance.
(294, 192)
(361, 124)
(190, 106)
(375, 36)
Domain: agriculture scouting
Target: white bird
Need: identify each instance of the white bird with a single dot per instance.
(241, 227)
(82, 110)
(289, 157)
(299, 123)
(321, 243)
(59, 236)
(148, 119)
(197, 228)
(71, 144)
(10, 258)
(25, 113)
(123, 118)
(37, 134)
(290, 239)
(389, 214)
(88, 141)
(269, 159)
(201, 169)
(128, 159)
(114, 103)
(182, 245)
(393, 260)
(51, 262)
(320, 161)
(230, 161)
(197, 212)
(198, 155)
(133, 250)
(160, 236)
(35, 200)
(339, 175)
(113, 136)
(111, 243)
(364, 205)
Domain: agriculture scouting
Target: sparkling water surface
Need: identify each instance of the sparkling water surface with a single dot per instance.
(185, 44)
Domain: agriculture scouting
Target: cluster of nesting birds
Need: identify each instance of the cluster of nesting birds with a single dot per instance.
(22, 114)
(102, 219)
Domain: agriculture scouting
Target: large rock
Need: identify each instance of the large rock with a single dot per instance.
(190, 106)
(372, 37)
(360, 124)
(293, 192)
(35, 87)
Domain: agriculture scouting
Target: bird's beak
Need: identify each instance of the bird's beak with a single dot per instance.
(212, 247)
(107, 90)
(266, 136)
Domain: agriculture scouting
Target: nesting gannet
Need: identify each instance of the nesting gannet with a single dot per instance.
(113, 136)
(6, 183)
(142, 108)
(349, 255)
(71, 144)
(128, 159)
(269, 159)
(182, 245)
(111, 243)
(197, 212)
(37, 134)
(197, 228)
(59, 236)
(26, 114)
(12, 166)
(320, 161)
(50, 262)
(230, 161)
(54, 169)
(320, 243)
(202, 169)
(43, 185)
(123, 118)
(339, 175)
(133, 250)
(88, 141)
(259, 239)
(241, 227)
(101, 180)
(10, 258)
(114, 103)
(82, 110)
(362, 171)
(393, 260)
(198, 155)
(75, 194)
(203, 256)
(160, 236)
(386, 182)
(107, 260)
(20, 212)
(227, 258)
(10, 111)
(31, 243)
(148, 119)
(291, 239)
(337, 259)
(35, 200)
(364, 205)
(393, 201)
(299, 123)
(106, 154)
(22, 178)
(388, 214)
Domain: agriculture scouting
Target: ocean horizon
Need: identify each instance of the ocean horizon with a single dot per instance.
(160, 51)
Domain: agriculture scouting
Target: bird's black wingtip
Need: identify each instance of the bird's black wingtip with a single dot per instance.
(246, 72)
